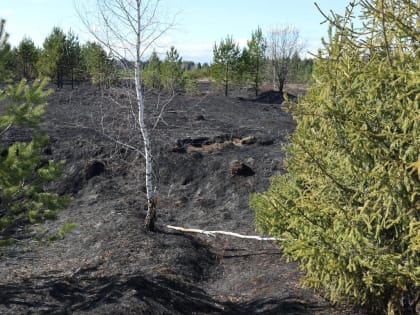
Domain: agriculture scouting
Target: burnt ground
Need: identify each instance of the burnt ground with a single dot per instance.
(107, 264)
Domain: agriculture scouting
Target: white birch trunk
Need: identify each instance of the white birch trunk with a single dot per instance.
(150, 191)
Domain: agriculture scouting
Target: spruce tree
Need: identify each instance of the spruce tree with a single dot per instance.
(152, 76)
(225, 62)
(60, 57)
(27, 56)
(24, 169)
(171, 70)
(72, 57)
(51, 61)
(7, 60)
(256, 60)
(97, 65)
(349, 203)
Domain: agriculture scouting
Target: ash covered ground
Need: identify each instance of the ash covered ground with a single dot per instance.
(107, 264)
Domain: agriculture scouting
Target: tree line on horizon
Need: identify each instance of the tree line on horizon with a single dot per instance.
(63, 58)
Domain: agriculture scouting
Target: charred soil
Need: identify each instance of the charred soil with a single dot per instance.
(210, 153)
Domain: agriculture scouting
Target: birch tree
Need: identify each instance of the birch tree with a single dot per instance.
(283, 43)
(129, 28)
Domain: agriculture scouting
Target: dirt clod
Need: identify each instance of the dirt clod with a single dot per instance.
(94, 168)
(240, 169)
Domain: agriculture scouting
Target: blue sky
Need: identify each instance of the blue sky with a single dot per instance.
(200, 23)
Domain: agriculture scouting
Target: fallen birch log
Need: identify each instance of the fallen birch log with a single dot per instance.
(213, 233)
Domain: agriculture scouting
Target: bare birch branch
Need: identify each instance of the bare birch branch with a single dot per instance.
(109, 137)
(167, 102)
(213, 233)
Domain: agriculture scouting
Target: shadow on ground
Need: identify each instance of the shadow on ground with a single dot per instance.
(131, 294)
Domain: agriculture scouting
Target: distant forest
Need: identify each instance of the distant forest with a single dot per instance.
(65, 60)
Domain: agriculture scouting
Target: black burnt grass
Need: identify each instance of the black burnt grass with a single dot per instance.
(107, 264)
